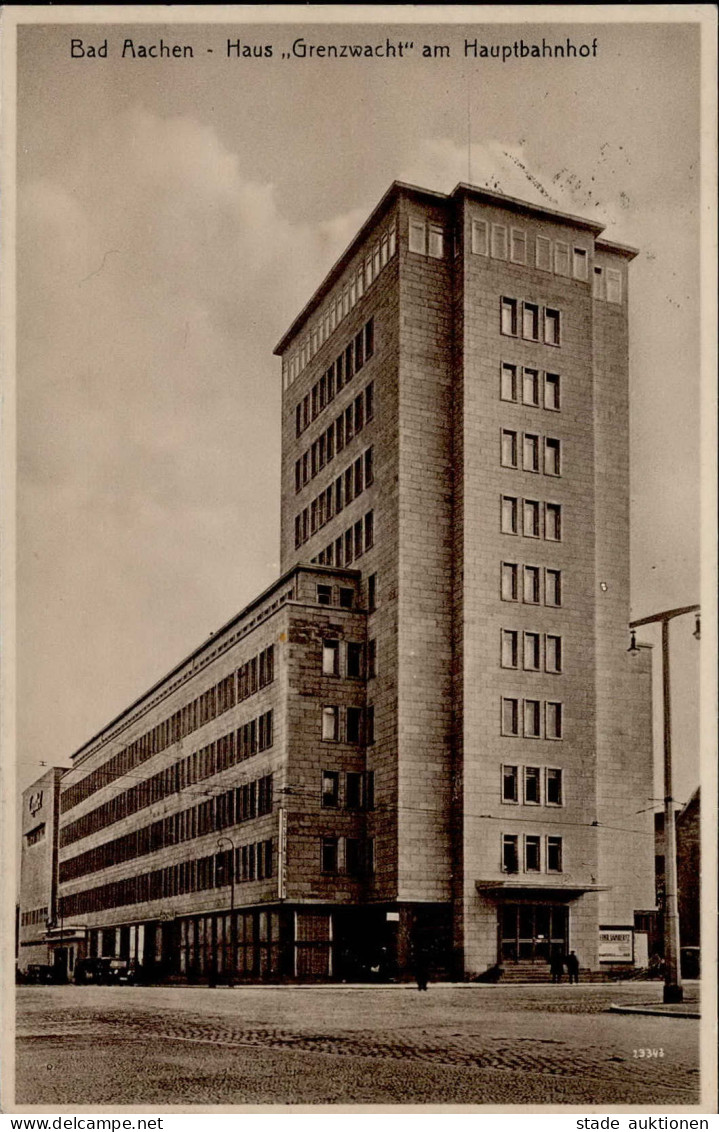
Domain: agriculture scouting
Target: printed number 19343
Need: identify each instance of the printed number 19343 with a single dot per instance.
(647, 1053)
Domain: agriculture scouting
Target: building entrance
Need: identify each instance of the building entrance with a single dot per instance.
(532, 932)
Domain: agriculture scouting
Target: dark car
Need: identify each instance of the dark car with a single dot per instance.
(93, 971)
(690, 962)
(41, 973)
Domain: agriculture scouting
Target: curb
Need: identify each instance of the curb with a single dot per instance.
(655, 1011)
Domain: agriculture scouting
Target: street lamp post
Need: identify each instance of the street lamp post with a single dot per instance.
(233, 945)
(673, 991)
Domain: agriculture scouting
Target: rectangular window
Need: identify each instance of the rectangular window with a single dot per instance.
(353, 856)
(508, 383)
(532, 854)
(580, 260)
(552, 653)
(372, 593)
(417, 237)
(331, 383)
(598, 286)
(531, 518)
(554, 854)
(347, 597)
(499, 241)
(298, 475)
(553, 587)
(339, 371)
(530, 452)
(330, 789)
(359, 413)
(349, 485)
(532, 785)
(553, 794)
(532, 652)
(551, 391)
(339, 556)
(368, 469)
(518, 246)
(553, 720)
(358, 476)
(355, 666)
(369, 530)
(530, 321)
(553, 522)
(330, 658)
(298, 531)
(359, 549)
(510, 854)
(509, 648)
(543, 253)
(614, 286)
(435, 243)
(349, 363)
(551, 327)
(330, 724)
(369, 725)
(298, 420)
(349, 424)
(531, 585)
(510, 784)
(329, 855)
(552, 452)
(561, 258)
(530, 386)
(532, 719)
(324, 595)
(371, 659)
(353, 793)
(509, 448)
(305, 468)
(359, 350)
(508, 317)
(339, 495)
(369, 339)
(480, 237)
(509, 515)
(510, 716)
(354, 725)
(510, 571)
(369, 401)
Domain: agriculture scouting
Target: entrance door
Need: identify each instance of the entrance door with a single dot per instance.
(532, 932)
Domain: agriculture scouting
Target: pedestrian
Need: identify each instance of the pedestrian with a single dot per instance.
(573, 967)
(421, 973)
(556, 966)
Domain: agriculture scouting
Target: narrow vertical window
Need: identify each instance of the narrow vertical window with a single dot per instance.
(552, 461)
(553, 720)
(580, 261)
(510, 716)
(369, 401)
(532, 785)
(531, 585)
(508, 383)
(530, 452)
(509, 648)
(435, 245)
(509, 515)
(551, 391)
(532, 719)
(554, 855)
(553, 522)
(561, 258)
(417, 237)
(329, 855)
(532, 853)
(518, 246)
(598, 284)
(553, 794)
(330, 789)
(551, 327)
(330, 724)
(499, 241)
(530, 386)
(509, 587)
(480, 237)
(369, 530)
(510, 780)
(330, 658)
(552, 653)
(509, 448)
(508, 320)
(531, 518)
(510, 854)
(614, 286)
(543, 253)
(532, 652)
(553, 587)
(530, 321)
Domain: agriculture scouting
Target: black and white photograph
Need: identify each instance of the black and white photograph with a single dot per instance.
(359, 589)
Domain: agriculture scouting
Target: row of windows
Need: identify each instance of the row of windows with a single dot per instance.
(539, 651)
(253, 737)
(358, 793)
(338, 307)
(346, 365)
(347, 425)
(533, 719)
(356, 540)
(533, 319)
(214, 702)
(539, 520)
(501, 243)
(340, 658)
(540, 584)
(37, 916)
(539, 785)
(533, 859)
(35, 835)
(537, 388)
(351, 855)
(343, 596)
(539, 453)
(251, 862)
(347, 487)
(426, 238)
(343, 725)
(240, 804)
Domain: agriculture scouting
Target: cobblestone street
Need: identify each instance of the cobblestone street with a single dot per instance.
(91, 1046)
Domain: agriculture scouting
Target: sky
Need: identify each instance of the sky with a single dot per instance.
(174, 215)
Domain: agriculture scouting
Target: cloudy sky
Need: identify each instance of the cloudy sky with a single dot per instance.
(173, 217)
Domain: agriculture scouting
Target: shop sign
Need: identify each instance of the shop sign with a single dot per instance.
(616, 945)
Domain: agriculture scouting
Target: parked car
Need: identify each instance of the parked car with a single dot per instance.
(41, 973)
(123, 971)
(92, 971)
(690, 962)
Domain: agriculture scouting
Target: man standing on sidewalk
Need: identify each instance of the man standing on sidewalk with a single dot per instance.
(572, 967)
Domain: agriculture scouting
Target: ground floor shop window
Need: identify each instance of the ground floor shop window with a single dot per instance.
(532, 931)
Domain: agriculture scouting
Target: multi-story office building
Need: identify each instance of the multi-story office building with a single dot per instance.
(455, 741)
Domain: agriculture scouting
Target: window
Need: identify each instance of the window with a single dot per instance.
(530, 386)
(614, 286)
(509, 448)
(499, 241)
(358, 539)
(510, 787)
(369, 530)
(510, 716)
(552, 462)
(354, 856)
(553, 720)
(531, 585)
(518, 246)
(561, 258)
(330, 658)
(543, 253)
(480, 237)
(508, 383)
(532, 785)
(330, 724)
(531, 518)
(369, 339)
(368, 468)
(552, 653)
(553, 787)
(530, 452)
(349, 363)
(509, 515)
(372, 593)
(353, 794)
(508, 317)
(554, 854)
(349, 424)
(509, 648)
(330, 789)
(329, 854)
(354, 660)
(532, 854)
(532, 719)
(435, 243)
(551, 391)
(510, 854)
(551, 327)
(530, 321)
(598, 287)
(580, 261)
(324, 595)
(510, 571)
(417, 237)
(369, 725)
(347, 597)
(371, 659)
(553, 522)
(354, 725)
(359, 413)
(369, 401)
(359, 350)
(532, 652)
(552, 587)
(298, 475)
